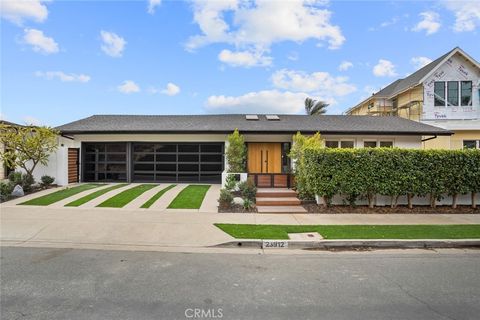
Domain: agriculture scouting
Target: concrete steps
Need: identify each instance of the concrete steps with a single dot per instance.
(281, 209)
(278, 200)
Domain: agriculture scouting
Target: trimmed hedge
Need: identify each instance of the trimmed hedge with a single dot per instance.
(364, 173)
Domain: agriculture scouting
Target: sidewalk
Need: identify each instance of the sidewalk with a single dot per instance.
(33, 226)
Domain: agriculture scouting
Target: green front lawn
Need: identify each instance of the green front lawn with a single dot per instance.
(251, 231)
(59, 195)
(124, 197)
(94, 195)
(190, 198)
(156, 196)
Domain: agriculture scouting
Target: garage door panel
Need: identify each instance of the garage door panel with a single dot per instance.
(177, 162)
(105, 161)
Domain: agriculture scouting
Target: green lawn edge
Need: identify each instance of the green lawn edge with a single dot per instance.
(93, 195)
(280, 232)
(157, 196)
(59, 195)
(190, 198)
(124, 197)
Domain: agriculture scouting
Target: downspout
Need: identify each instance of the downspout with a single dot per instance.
(427, 139)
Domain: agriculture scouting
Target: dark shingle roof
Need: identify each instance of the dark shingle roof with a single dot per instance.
(226, 123)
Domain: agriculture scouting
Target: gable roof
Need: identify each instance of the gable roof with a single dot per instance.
(416, 78)
(226, 123)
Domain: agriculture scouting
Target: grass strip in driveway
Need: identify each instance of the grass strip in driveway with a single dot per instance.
(156, 196)
(59, 195)
(124, 197)
(190, 198)
(94, 195)
(254, 231)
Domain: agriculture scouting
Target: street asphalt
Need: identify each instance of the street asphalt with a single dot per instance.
(98, 284)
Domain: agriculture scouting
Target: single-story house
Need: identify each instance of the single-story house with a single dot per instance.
(191, 148)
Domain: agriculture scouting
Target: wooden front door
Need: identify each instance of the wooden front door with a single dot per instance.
(264, 158)
(72, 165)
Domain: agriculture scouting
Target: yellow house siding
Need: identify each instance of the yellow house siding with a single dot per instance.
(414, 112)
(453, 142)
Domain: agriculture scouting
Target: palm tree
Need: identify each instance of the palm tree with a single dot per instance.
(315, 107)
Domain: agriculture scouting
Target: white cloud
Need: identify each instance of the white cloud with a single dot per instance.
(244, 58)
(267, 101)
(152, 4)
(320, 83)
(17, 11)
(39, 41)
(256, 25)
(467, 14)
(293, 56)
(345, 65)
(113, 45)
(430, 23)
(171, 89)
(64, 77)
(128, 86)
(420, 62)
(384, 68)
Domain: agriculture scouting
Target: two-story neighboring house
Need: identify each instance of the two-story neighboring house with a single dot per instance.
(445, 93)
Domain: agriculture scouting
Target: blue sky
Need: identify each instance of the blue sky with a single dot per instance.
(63, 60)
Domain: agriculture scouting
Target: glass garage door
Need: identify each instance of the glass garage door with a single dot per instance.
(187, 162)
(105, 162)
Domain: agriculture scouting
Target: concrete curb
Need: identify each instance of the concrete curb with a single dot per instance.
(359, 244)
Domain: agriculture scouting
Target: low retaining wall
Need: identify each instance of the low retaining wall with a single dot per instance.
(381, 201)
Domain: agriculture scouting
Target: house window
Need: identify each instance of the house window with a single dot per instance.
(471, 144)
(346, 144)
(369, 144)
(466, 93)
(285, 158)
(452, 93)
(331, 144)
(386, 144)
(439, 93)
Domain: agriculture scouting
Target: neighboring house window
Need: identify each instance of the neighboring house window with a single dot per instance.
(471, 144)
(452, 93)
(466, 95)
(331, 144)
(369, 144)
(386, 144)
(346, 144)
(439, 93)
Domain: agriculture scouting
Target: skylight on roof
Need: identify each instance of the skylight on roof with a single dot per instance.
(272, 117)
(251, 117)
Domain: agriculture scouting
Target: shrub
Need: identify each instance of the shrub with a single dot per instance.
(236, 152)
(247, 204)
(231, 182)
(248, 190)
(25, 180)
(300, 144)
(6, 188)
(226, 198)
(47, 181)
(356, 173)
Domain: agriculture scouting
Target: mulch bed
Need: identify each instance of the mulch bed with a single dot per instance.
(236, 208)
(314, 208)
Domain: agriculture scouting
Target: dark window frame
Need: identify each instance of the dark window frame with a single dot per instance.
(439, 97)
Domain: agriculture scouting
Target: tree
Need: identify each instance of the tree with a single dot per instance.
(27, 146)
(315, 107)
(236, 152)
